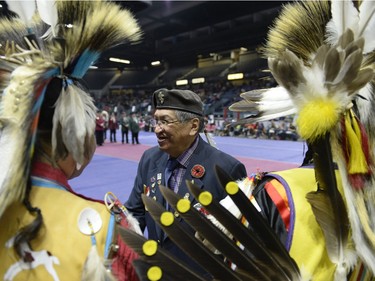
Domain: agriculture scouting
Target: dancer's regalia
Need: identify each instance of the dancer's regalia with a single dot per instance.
(47, 117)
(322, 56)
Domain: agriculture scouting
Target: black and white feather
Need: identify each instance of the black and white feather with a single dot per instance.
(264, 104)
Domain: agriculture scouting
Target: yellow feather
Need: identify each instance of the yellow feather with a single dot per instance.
(357, 161)
(317, 117)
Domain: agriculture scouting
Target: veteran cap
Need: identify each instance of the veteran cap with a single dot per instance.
(183, 100)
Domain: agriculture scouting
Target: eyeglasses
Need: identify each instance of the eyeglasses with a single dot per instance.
(162, 123)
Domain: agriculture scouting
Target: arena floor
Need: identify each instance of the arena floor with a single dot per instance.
(114, 165)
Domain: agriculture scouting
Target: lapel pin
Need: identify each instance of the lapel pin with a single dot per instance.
(146, 190)
(197, 171)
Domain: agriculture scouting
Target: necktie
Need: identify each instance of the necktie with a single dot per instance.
(170, 181)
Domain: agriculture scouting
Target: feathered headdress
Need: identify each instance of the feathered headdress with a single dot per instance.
(322, 55)
(78, 32)
(44, 53)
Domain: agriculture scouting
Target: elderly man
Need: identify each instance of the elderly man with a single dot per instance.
(181, 155)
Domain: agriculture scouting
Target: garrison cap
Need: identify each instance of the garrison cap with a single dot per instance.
(183, 100)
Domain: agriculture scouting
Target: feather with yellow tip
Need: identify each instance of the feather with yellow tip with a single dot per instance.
(151, 253)
(257, 250)
(148, 272)
(260, 242)
(178, 233)
(219, 240)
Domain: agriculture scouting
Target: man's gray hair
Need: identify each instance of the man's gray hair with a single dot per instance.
(184, 116)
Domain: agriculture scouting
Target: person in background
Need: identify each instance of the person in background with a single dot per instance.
(106, 120)
(112, 126)
(134, 128)
(99, 128)
(47, 137)
(181, 154)
(124, 122)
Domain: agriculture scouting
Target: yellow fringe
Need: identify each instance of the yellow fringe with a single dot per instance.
(357, 161)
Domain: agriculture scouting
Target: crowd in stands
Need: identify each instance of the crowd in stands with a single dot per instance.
(278, 129)
(216, 98)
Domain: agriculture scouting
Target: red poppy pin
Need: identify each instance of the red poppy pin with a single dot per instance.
(197, 171)
(146, 190)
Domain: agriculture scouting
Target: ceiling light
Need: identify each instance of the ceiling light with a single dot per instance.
(181, 82)
(197, 80)
(155, 63)
(120, 60)
(235, 76)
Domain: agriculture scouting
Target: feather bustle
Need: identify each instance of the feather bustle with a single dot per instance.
(259, 248)
(218, 239)
(259, 224)
(170, 264)
(189, 244)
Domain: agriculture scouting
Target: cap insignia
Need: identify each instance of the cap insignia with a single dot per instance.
(161, 97)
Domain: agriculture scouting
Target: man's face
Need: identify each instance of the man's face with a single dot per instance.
(174, 137)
